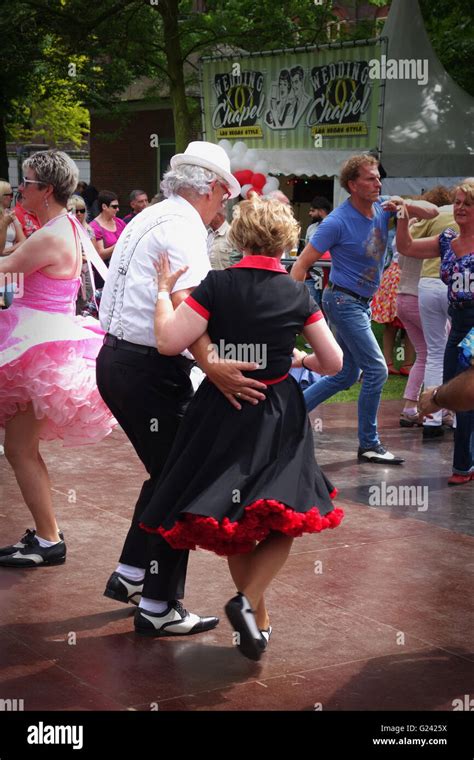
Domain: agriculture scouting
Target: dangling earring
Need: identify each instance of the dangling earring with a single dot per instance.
(46, 203)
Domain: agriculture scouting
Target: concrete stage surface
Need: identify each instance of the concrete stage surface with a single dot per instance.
(375, 615)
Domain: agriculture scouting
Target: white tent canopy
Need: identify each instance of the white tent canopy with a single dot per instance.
(427, 129)
(416, 185)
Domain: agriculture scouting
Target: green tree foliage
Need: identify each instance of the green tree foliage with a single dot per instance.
(119, 41)
(54, 111)
(60, 57)
(450, 28)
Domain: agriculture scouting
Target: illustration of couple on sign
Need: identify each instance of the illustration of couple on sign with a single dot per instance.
(289, 99)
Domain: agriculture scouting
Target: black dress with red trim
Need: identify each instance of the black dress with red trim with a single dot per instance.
(234, 476)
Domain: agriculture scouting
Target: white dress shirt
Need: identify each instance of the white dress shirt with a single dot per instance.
(127, 308)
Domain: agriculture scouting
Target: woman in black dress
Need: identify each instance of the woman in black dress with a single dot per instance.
(244, 482)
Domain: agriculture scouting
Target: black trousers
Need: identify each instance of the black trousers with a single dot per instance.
(148, 395)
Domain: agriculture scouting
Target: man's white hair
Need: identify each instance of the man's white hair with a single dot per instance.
(187, 177)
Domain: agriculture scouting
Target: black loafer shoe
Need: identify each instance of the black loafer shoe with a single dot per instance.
(174, 621)
(4, 550)
(34, 555)
(123, 590)
(378, 454)
(241, 616)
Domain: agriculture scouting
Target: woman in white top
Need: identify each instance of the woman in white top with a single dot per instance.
(76, 205)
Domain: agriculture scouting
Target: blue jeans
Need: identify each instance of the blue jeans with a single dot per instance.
(461, 322)
(316, 287)
(350, 319)
(314, 292)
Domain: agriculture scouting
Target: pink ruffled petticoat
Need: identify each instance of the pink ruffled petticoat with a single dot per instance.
(47, 357)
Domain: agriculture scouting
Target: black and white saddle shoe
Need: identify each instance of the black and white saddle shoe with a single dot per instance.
(4, 550)
(378, 454)
(31, 554)
(251, 642)
(266, 633)
(123, 590)
(174, 621)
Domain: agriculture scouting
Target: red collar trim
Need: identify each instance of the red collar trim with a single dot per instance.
(261, 262)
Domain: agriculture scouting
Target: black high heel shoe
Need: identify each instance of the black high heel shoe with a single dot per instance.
(241, 616)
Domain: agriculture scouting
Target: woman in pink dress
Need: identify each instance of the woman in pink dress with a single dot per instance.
(47, 354)
(107, 227)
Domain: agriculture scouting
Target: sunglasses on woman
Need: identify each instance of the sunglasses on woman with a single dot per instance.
(80, 211)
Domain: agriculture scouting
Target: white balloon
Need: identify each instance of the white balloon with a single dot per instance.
(252, 158)
(245, 189)
(266, 189)
(273, 183)
(237, 163)
(261, 167)
(226, 145)
(239, 148)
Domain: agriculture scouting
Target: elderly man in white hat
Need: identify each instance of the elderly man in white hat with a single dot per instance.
(148, 393)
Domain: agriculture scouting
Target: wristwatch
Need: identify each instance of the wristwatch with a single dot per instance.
(434, 399)
(302, 362)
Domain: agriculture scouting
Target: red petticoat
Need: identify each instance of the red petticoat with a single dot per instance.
(260, 518)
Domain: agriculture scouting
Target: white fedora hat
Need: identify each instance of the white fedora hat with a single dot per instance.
(208, 156)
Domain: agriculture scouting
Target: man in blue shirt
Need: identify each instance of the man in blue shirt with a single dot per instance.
(356, 235)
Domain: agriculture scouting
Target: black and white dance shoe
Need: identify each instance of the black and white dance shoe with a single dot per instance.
(174, 621)
(378, 454)
(28, 552)
(123, 590)
(266, 633)
(251, 641)
(4, 550)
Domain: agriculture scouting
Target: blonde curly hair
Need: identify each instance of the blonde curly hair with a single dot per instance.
(467, 187)
(264, 226)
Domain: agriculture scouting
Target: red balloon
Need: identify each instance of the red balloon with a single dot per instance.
(258, 180)
(244, 176)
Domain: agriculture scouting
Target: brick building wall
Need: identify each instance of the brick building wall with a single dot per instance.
(122, 158)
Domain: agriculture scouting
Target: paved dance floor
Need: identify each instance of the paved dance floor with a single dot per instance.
(375, 615)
